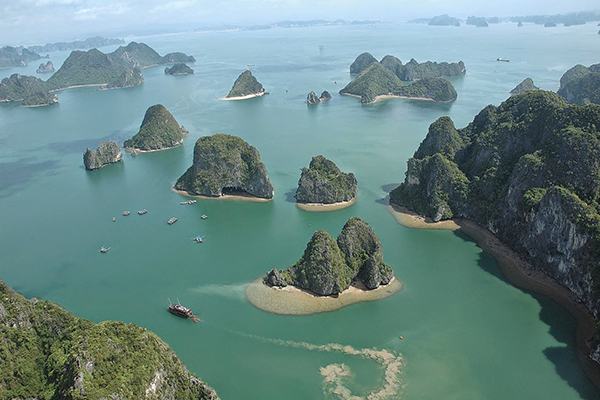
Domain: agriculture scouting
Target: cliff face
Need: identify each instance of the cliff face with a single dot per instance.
(159, 131)
(107, 153)
(225, 163)
(581, 85)
(323, 182)
(529, 171)
(48, 353)
(328, 267)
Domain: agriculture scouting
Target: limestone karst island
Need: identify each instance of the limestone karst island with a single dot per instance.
(225, 165)
(330, 274)
(159, 131)
(245, 86)
(323, 187)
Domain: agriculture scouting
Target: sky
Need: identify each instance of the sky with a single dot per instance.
(41, 21)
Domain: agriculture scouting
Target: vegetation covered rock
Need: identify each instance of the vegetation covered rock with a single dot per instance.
(246, 84)
(444, 20)
(377, 80)
(93, 67)
(581, 85)
(224, 164)
(529, 171)
(146, 56)
(361, 63)
(479, 22)
(328, 267)
(323, 182)
(179, 69)
(43, 68)
(48, 353)
(159, 131)
(107, 153)
(524, 86)
(32, 91)
(16, 56)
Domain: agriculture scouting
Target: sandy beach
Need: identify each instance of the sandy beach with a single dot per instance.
(383, 97)
(319, 207)
(249, 96)
(522, 275)
(243, 197)
(293, 301)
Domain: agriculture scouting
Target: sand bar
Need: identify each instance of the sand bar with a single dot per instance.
(522, 275)
(293, 301)
(237, 196)
(320, 207)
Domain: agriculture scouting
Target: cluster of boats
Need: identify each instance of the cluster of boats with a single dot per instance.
(142, 212)
(188, 202)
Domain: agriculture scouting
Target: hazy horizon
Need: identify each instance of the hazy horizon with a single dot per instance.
(30, 22)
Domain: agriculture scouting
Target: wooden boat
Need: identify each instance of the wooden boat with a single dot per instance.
(142, 212)
(104, 249)
(180, 310)
(172, 220)
(204, 216)
(126, 213)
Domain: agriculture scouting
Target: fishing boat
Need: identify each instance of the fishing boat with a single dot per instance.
(502, 59)
(204, 216)
(126, 213)
(181, 311)
(172, 220)
(142, 212)
(197, 239)
(104, 249)
(114, 219)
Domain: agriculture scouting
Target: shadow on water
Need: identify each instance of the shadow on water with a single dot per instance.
(289, 196)
(561, 326)
(387, 189)
(16, 174)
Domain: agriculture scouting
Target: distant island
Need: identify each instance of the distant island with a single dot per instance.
(179, 69)
(444, 20)
(312, 98)
(50, 353)
(524, 86)
(322, 186)
(410, 71)
(159, 131)
(146, 56)
(306, 24)
(107, 153)
(527, 170)
(88, 43)
(32, 91)
(479, 22)
(377, 83)
(226, 165)
(350, 269)
(581, 85)
(16, 57)
(45, 68)
(245, 86)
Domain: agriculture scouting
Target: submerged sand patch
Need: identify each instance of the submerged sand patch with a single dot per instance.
(293, 301)
(411, 219)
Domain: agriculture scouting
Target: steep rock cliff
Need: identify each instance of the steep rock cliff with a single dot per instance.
(107, 153)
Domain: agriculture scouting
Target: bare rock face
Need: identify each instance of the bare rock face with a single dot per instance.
(274, 278)
(312, 98)
(107, 153)
(226, 164)
(43, 68)
(325, 96)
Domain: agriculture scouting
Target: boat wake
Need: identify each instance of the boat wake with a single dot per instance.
(236, 292)
(335, 376)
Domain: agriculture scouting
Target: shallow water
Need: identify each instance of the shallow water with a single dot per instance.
(467, 333)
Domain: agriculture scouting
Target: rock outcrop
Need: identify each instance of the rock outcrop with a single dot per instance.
(246, 85)
(325, 96)
(225, 164)
(179, 69)
(581, 85)
(159, 131)
(527, 170)
(32, 91)
(524, 86)
(312, 98)
(50, 353)
(43, 68)
(328, 267)
(107, 153)
(323, 183)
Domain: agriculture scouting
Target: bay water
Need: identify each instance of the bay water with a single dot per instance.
(468, 334)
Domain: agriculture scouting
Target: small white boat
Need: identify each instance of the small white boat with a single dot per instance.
(142, 212)
(197, 239)
(172, 220)
(204, 216)
(126, 213)
(104, 249)
(114, 219)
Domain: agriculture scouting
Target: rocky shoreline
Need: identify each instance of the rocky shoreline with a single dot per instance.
(522, 275)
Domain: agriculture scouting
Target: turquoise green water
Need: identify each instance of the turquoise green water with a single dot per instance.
(467, 333)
